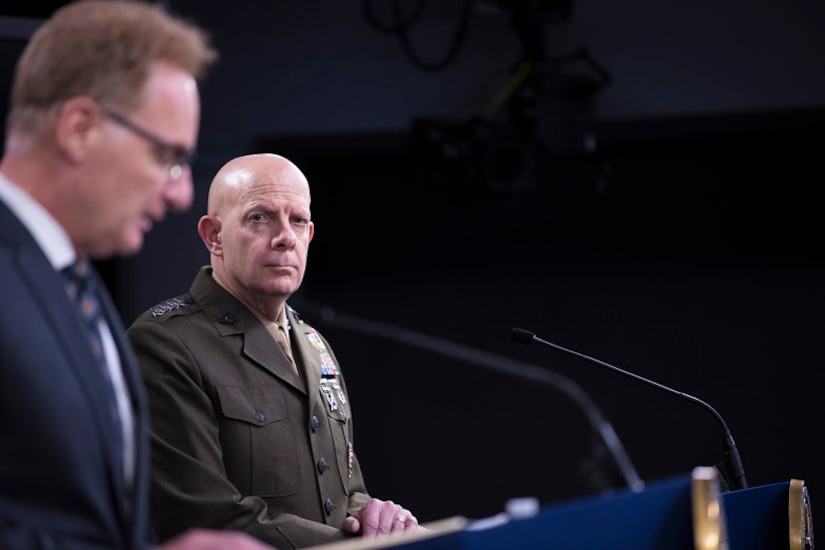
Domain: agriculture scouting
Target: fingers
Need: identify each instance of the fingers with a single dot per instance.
(399, 523)
(404, 521)
(379, 517)
(351, 525)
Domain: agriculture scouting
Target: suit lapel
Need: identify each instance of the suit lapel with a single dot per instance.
(56, 306)
(137, 397)
(131, 372)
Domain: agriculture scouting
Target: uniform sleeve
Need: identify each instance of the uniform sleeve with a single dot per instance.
(189, 483)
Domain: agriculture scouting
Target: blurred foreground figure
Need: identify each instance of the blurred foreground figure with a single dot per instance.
(104, 115)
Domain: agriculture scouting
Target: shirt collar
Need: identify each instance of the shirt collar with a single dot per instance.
(47, 232)
(280, 322)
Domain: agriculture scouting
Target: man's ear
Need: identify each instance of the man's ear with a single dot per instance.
(78, 120)
(209, 228)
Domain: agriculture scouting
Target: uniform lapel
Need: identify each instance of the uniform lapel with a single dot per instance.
(261, 347)
(306, 356)
(307, 349)
(231, 318)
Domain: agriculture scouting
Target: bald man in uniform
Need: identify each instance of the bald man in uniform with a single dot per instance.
(251, 421)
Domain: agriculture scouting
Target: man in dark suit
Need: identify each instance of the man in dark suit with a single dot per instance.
(104, 113)
(251, 420)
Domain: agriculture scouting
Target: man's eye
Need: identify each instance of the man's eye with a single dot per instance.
(166, 156)
(171, 155)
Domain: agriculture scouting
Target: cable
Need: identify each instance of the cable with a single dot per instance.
(402, 25)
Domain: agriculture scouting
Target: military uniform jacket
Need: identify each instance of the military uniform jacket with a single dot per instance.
(239, 440)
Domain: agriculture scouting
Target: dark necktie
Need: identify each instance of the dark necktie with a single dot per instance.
(81, 287)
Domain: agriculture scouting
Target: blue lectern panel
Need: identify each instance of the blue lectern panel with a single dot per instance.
(757, 518)
(658, 517)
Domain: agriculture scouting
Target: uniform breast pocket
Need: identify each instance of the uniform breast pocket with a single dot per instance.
(255, 436)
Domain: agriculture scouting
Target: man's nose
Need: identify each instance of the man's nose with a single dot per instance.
(285, 238)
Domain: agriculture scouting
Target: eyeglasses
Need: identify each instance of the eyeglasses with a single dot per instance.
(175, 156)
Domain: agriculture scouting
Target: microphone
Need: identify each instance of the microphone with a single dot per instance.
(734, 473)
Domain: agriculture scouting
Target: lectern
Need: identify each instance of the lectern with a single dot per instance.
(686, 512)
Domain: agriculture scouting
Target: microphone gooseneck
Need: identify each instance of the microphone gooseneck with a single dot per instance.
(733, 463)
(599, 424)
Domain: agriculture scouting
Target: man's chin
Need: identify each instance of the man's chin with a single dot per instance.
(283, 288)
(130, 246)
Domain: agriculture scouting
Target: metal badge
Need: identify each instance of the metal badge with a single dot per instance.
(326, 389)
(350, 454)
(337, 387)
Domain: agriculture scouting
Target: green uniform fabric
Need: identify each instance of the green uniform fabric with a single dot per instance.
(239, 440)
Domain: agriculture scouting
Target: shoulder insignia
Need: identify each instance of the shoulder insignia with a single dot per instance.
(169, 305)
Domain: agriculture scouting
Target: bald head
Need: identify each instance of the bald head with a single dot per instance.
(246, 172)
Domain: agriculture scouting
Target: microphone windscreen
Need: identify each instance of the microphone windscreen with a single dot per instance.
(522, 336)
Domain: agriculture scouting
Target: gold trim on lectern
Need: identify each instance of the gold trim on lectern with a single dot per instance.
(800, 523)
(709, 528)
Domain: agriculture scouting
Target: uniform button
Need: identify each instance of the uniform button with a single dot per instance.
(322, 465)
(259, 416)
(329, 506)
(313, 424)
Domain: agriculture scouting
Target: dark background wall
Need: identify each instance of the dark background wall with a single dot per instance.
(649, 197)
